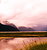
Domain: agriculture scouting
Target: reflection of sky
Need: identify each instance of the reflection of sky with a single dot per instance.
(27, 13)
(21, 43)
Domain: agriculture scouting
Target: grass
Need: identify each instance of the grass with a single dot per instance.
(37, 45)
(23, 34)
(40, 46)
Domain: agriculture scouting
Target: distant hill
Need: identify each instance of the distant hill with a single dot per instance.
(41, 28)
(45, 28)
(22, 28)
(38, 28)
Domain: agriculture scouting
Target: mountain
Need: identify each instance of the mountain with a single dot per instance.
(41, 28)
(8, 28)
(22, 28)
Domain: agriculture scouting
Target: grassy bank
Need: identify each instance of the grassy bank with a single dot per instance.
(24, 34)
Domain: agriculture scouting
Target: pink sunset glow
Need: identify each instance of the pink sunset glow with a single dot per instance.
(28, 13)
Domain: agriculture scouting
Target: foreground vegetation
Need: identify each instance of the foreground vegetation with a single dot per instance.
(40, 46)
(33, 43)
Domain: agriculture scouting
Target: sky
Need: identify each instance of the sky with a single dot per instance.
(28, 13)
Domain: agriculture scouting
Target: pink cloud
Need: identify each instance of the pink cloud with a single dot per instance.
(27, 13)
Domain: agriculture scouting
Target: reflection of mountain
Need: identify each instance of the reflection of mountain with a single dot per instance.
(22, 28)
(8, 28)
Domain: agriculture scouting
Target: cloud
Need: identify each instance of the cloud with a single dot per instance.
(28, 13)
